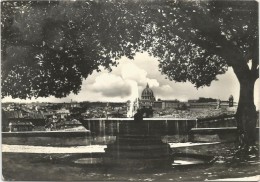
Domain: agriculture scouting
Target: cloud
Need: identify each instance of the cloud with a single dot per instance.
(164, 91)
(110, 85)
(125, 82)
(131, 71)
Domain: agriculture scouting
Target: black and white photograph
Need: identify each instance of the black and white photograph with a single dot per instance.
(130, 90)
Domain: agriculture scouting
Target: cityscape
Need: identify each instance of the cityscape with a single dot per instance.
(67, 116)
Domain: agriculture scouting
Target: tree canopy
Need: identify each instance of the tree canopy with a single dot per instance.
(198, 40)
(48, 48)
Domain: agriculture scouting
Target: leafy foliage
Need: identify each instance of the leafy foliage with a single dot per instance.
(197, 40)
(48, 48)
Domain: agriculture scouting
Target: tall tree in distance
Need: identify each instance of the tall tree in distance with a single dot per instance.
(48, 48)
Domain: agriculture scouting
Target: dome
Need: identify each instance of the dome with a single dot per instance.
(147, 92)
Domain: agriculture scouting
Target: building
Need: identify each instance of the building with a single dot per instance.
(20, 126)
(73, 123)
(147, 98)
(63, 113)
(146, 103)
(163, 104)
(149, 105)
(20, 118)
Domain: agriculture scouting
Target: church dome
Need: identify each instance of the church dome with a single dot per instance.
(147, 93)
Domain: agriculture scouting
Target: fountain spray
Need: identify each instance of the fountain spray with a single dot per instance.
(134, 103)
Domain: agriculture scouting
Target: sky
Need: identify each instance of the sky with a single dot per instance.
(130, 77)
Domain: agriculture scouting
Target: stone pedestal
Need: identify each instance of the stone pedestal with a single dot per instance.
(138, 151)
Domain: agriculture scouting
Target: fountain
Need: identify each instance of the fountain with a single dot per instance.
(138, 144)
(133, 103)
(138, 148)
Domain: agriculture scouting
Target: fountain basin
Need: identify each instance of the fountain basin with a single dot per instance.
(138, 144)
(138, 152)
(149, 126)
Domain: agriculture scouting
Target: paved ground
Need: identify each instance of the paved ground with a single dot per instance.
(56, 163)
(77, 149)
(250, 178)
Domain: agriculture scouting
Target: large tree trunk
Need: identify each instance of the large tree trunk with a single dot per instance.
(246, 113)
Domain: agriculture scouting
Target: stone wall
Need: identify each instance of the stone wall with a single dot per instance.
(57, 138)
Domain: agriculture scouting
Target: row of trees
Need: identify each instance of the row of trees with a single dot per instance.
(49, 47)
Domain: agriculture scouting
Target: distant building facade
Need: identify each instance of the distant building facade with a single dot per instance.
(163, 104)
(147, 98)
(22, 120)
(20, 126)
(63, 113)
(148, 101)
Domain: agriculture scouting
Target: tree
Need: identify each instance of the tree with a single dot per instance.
(197, 40)
(49, 47)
